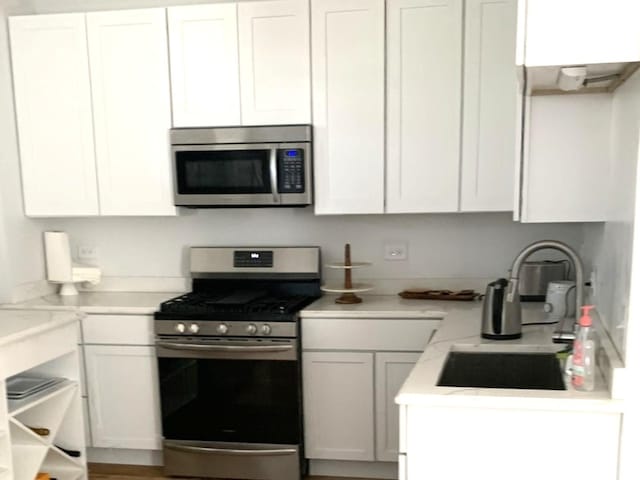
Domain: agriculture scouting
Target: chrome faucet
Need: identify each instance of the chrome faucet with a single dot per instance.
(512, 302)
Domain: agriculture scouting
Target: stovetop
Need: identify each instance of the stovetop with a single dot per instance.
(236, 305)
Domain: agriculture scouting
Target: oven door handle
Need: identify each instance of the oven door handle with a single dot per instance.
(231, 451)
(224, 348)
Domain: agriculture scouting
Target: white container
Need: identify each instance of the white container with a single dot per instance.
(560, 301)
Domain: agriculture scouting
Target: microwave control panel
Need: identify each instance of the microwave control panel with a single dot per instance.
(291, 170)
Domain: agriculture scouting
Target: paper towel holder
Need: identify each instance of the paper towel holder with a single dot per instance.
(61, 269)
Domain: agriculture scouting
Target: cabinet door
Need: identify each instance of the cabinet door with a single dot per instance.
(347, 55)
(566, 161)
(132, 111)
(124, 405)
(203, 42)
(574, 32)
(424, 62)
(53, 113)
(338, 405)
(490, 106)
(392, 369)
(275, 72)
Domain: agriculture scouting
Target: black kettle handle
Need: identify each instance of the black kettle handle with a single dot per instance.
(498, 303)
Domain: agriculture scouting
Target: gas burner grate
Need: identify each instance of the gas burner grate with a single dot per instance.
(201, 303)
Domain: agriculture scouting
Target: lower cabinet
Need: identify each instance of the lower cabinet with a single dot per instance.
(122, 382)
(340, 391)
(352, 370)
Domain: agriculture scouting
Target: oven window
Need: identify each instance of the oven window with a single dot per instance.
(223, 172)
(255, 401)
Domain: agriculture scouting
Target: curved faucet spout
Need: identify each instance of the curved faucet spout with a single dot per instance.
(513, 297)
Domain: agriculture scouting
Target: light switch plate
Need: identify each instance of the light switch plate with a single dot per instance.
(87, 254)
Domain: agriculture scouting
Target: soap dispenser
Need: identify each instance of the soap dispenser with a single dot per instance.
(584, 353)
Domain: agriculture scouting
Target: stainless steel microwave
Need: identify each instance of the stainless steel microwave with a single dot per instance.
(242, 166)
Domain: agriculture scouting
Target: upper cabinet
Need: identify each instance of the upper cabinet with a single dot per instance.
(205, 81)
(424, 96)
(131, 111)
(451, 115)
(490, 124)
(348, 105)
(240, 64)
(53, 113)
(102, 74)
(275, 83)
(574, 32)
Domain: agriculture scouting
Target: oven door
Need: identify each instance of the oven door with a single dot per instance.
(218, 175)
(231, 391)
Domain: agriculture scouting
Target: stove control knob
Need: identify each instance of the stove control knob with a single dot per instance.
(180, 327)
(265, 329)
(194, 328)
(252, 329)
(222, 328)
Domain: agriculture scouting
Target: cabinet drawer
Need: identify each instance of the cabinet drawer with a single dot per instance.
(118, 329)
(394, 334)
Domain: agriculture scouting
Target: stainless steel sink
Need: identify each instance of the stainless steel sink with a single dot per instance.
(485, 369)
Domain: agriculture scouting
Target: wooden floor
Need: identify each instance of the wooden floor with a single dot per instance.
(103, 471)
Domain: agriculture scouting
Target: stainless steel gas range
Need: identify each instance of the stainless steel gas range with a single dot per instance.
(229, 364)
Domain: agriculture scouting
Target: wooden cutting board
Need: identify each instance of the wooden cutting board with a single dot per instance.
(424, 294)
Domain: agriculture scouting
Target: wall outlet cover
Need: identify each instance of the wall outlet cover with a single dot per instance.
(395, 251)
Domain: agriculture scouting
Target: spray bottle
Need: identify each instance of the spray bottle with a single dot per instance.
(584, 353)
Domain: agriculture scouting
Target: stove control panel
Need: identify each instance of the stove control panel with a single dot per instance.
(214, 328)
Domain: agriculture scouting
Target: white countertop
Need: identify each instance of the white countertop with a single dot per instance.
(123, 303)
(460, 330)
(17, 325)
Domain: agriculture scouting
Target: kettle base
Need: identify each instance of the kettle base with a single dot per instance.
(495, 336)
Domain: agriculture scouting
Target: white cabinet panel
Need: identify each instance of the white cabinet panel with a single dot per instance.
(124, 405)
(573, 32)
(338, 405)
(490, 106)
(118, 329)
(205, 84)
(53, 111)
(461, 443)
(424, 56)
(392, 369)
(132, 112)
(274, 62)
(347, 54)
(566, 163)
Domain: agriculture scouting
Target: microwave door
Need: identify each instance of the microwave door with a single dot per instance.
(225, 175)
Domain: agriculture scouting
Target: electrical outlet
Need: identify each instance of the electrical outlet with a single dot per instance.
(87, 254)
(395, 251)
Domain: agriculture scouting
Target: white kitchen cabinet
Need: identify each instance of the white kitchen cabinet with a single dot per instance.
(338, 405)
(122, 381)
(240, 64)
(459, 442)
(351, 365)
(275, 83)
(53, 112)
(131, 111)
(566, 158)
(424, 64)
(574, 32)
(203, 47)
(490, 119)
(391, 370)
(123, 396)
(347, 56)
(93, 110)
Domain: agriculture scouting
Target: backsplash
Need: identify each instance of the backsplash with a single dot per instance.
(439, 246)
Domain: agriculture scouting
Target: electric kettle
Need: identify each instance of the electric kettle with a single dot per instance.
(496, 325)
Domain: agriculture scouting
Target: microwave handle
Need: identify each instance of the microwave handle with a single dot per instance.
(273, 168)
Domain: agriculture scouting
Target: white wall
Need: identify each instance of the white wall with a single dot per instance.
(20, 238)
(612, 242)
(441, 246)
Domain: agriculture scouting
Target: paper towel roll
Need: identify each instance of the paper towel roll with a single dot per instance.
(58, 257)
